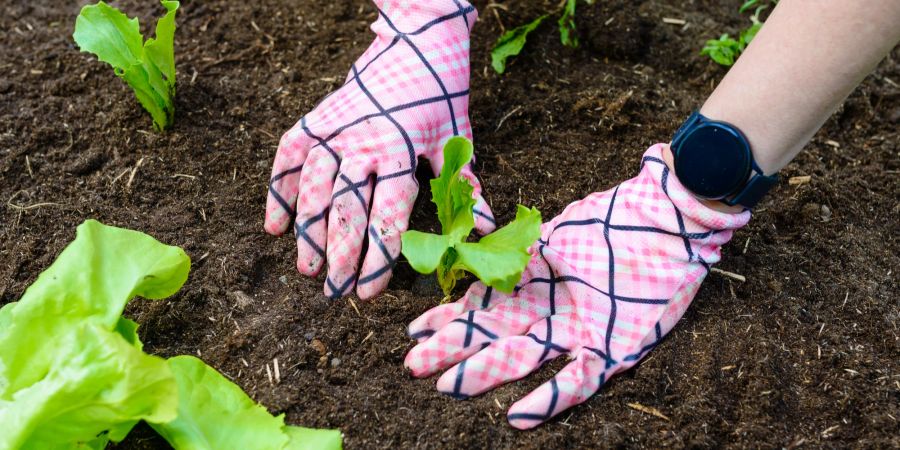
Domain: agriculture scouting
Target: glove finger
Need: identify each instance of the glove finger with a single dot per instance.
(283, 186)
(392, 204)
(574, 384)
(484, 217)
(347, 223)
(316, 186)
(478, 297)
(481, 297)
(471, 332)
(459, 339)
(507, 359)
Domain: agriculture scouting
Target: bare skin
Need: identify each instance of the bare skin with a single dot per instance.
(803, 63)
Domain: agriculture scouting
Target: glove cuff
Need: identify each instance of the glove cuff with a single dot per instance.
(692, 209)
(413, 16)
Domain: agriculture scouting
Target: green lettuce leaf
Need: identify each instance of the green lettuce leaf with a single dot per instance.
(748, 34)
(101, 382)
(448, 272)
(110, 35)
(499, 258)
(71, 369)
(214, 413)
(511, 44)
(429, 248)
(723, 51)
(161, 49)
(148, 68)
(311, 439)
(452, 193)
(127, 328)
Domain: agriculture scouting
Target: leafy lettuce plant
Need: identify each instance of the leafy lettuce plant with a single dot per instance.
(71, 368)
(513, 41)
(148, 67)
(498, 259)
(73, 373)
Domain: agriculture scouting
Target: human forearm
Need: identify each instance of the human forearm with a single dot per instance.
(805, 61)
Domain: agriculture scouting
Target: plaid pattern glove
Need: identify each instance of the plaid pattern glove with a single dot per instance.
(345, 173)
(608, 279)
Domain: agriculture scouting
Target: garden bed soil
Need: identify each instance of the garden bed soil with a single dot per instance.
(804, 353)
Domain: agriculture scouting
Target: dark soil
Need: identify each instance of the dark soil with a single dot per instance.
(806, 352)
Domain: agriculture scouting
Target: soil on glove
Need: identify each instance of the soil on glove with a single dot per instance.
(804, 353)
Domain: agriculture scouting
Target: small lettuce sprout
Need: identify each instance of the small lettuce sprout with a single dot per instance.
(498, 259)
(148, 67)
(567, 32)
(725, 50)
(511, 43)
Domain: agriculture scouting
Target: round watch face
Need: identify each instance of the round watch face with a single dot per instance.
(713, 161)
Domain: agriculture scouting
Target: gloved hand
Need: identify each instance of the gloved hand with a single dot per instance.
(608, 279)
(357, 151)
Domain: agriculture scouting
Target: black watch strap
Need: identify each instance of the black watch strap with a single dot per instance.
(756, 188)
(688, 125)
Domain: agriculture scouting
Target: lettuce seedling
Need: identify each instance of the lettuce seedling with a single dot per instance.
(723, 50)
(566, 23)
(73, 373)
(511, 44)
(567, 33)
(726, 49)
(148, 67)
(498, 259)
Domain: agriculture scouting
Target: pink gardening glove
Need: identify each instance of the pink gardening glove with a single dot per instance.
(608, 279)
(357, 151)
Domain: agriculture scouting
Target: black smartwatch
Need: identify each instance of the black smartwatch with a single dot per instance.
(713, 160)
